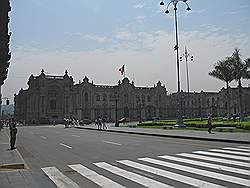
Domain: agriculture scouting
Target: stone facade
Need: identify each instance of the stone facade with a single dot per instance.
(199, 104)
(51, 98)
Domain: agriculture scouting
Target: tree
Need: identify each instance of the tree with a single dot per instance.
(222, 71)
(240, 71)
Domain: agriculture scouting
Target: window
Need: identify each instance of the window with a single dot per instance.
(111, 97)
(126, 98)
(86, 97)
(53, 104)
(149, 98)
(104, 97)
(97, 97)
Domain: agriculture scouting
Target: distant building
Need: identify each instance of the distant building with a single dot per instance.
(200, 104)
(51, 98)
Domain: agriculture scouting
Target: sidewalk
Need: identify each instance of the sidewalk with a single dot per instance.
(232, 137)
(13, 171)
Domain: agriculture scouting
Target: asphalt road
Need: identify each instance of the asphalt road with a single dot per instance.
(53, 146)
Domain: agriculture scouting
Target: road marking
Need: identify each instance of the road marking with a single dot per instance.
(65, 145)
(132, 176)
(214, 159)
(245, 147)
(200, 172)
(76, 136)
(170, 175)
(114, 143)
(95, 177)
(58, 178)
(238, 149)
(208, 165)
(43, 137)
(230, 152)
(223, 155)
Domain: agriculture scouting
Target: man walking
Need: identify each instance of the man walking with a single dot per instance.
(13, 132)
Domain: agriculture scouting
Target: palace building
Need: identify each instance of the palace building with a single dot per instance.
(52, 98)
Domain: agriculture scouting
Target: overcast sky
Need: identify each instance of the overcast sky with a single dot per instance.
(95, 38)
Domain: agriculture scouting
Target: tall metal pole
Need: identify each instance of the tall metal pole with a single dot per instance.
(186, 55)
(116, 119)
(186, 58)
(179, 119)
(177, 48)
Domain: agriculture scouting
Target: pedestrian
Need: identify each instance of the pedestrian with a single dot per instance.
(66, 122)
(104, 126)
(13, 132)
(99, 123)
(209, 123)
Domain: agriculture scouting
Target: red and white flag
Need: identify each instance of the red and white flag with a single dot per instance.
(122, 69)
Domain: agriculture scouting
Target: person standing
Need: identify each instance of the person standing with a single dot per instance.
(104, 126)
(13, 132)
(209, 123)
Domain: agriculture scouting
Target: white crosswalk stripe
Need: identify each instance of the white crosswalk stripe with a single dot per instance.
(214, 159)
(206, 173)
(58, 178)
(231, 152)
(245, 147)
(238, 149)
(170, 175)
(208, 165)
(132, 176)
(223, 155)
(191, 167)
(95, 177)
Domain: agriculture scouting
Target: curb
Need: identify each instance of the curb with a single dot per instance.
(172, 136)
(13, 166)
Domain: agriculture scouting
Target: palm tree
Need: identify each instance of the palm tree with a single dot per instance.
(222, 70)
(240, 71)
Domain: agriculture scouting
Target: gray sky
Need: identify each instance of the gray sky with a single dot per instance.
(95, 38)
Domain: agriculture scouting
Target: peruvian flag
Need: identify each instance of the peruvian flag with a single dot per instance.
(122, 69)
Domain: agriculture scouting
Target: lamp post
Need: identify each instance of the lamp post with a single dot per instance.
(187, 55)
(179, 120)
(116, 117)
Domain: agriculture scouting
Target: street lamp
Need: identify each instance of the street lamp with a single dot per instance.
(187, 55)
(179, 120)
(116, 117)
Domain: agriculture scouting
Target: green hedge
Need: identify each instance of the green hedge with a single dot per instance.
(199, 123)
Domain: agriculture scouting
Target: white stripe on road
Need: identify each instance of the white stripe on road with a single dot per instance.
(95, 177)
(208, 165)
(214, 159)
(114, 143)
(76, 136)
(170, 175)
(65, 145)
(200, 172)
(238, 149)
(223, 155)
(58, 178)
(230, 152)
(245, 147)
(43, 137)
(132, 176)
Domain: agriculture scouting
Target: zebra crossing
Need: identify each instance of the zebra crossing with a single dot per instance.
(215, 168)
